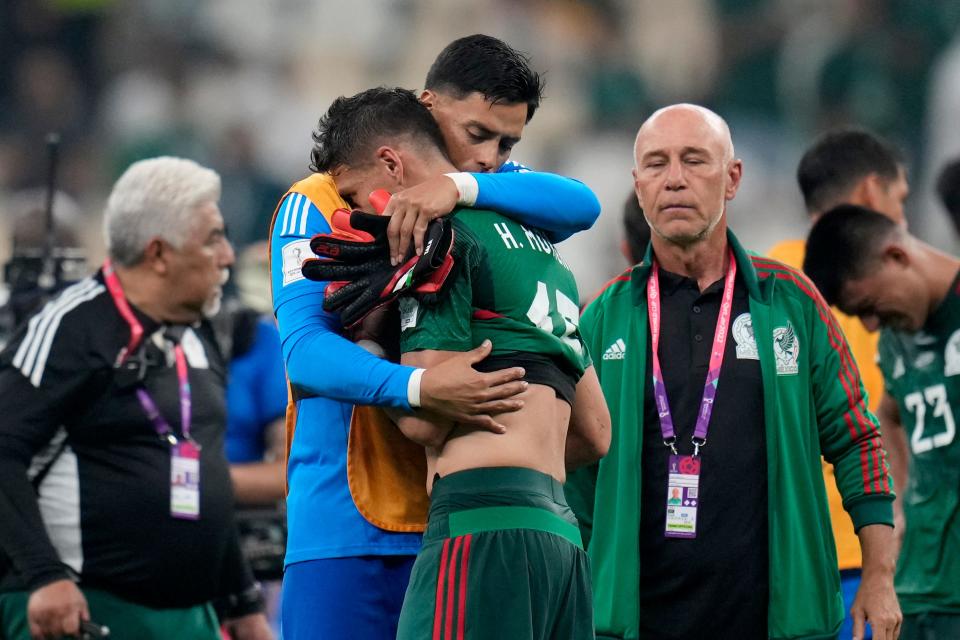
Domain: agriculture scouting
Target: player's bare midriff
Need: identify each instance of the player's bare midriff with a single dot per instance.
(535, 439)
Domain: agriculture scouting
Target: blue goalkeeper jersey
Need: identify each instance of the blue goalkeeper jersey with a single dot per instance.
(328, 374)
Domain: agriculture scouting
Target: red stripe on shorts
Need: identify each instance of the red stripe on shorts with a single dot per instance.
(451, 583)
(438, 610)
(462, 604)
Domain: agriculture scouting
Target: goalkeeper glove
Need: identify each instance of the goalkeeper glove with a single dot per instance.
(355, 259)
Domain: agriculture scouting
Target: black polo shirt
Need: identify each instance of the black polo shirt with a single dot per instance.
(715, 585)
(84, 477)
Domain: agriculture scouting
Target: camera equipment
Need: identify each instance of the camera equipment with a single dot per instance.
(36, 271)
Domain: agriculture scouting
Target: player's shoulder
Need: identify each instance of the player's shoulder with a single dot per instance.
(466, 225)
(492, 229)
(892, 342)
(312, 197)
(476, 221)
(896, 351)
(83, 300)
(320, 188)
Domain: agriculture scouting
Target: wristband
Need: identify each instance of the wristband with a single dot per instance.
(413, 388)
(467, 188)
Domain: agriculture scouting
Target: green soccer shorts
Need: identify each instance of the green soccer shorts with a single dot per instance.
(501, 558)
(126, 620)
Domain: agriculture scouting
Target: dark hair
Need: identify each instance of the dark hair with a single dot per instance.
(842, 246)
(838, 160)
(948, 188)
(483, 64)
(351, 127)
(636, 230)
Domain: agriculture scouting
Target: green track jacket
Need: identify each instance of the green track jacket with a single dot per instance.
(814, 404)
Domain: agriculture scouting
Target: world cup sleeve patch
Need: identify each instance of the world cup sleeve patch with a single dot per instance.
(294, 253)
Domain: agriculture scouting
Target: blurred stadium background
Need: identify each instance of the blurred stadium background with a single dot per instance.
(239, 84)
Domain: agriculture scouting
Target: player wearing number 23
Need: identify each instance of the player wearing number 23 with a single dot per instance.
(892, 280)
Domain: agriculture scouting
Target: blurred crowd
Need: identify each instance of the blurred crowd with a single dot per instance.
(239, 86)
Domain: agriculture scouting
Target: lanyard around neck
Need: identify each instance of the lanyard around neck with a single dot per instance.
(123, 308)
(716, 360)
(160, 424)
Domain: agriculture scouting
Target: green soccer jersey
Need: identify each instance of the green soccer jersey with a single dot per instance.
(922, 373)
(509, 285)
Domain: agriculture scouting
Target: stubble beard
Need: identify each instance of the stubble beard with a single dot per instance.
(686, 240)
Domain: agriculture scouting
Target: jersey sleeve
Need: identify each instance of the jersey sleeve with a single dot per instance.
(585, 356)
(444, 326)
(312, 343)
(44, 372)
(298, 219)
(558, 205)
(849, 434)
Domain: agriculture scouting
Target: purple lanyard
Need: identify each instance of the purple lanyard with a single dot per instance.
(160, 424)
(716, 361)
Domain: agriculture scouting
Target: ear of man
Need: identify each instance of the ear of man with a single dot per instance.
(895, 252)
(389, 158)
(429, 99)
(155, 255)
(869, 191)
(734, 174)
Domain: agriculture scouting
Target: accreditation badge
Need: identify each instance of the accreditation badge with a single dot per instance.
(683, 496)
(185, 480)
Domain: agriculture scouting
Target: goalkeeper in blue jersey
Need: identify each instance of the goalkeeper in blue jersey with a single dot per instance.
(355, 509)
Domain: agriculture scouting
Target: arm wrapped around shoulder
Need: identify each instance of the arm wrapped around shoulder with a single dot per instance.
(355, 259)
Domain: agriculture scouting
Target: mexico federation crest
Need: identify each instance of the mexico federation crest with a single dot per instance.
(743, 335)
(951, 355)
(786, 350)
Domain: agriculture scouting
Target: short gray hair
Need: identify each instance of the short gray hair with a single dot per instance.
(155, 198)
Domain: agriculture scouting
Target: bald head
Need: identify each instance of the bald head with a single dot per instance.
(685, 173)
(701, 122)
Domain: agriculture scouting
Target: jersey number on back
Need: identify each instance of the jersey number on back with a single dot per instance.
(557, 315)
(917, 402)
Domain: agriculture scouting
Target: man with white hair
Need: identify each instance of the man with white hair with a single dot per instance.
(738, 380)
(115, 496)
